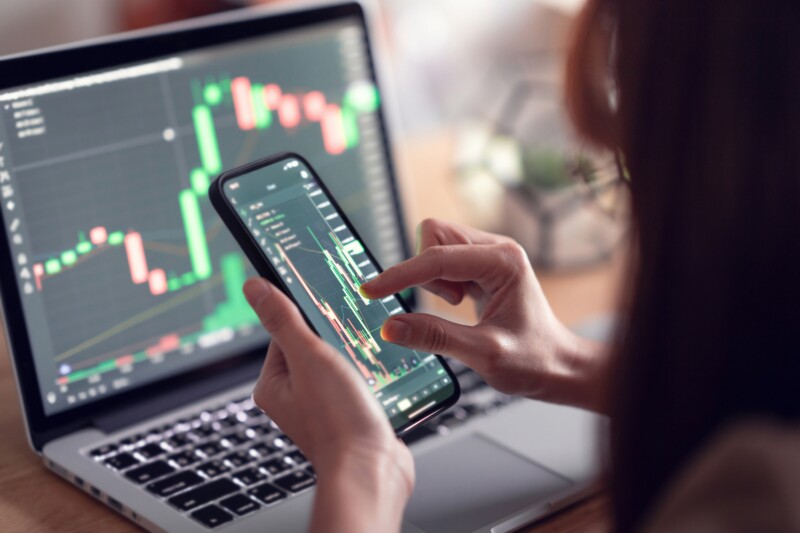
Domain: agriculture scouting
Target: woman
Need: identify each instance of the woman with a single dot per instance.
(702, 99)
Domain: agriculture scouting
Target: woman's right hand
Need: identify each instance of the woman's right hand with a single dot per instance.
(518, 345)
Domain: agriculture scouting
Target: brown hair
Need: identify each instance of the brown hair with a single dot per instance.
(708, 118)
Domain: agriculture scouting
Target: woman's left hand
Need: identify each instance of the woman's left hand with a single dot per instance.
(320, 402)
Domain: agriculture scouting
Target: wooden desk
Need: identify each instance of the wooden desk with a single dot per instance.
(32, 499)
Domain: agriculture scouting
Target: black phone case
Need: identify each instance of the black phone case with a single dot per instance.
(265, 269)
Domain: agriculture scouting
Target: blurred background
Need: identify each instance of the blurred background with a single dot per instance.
(477, 91)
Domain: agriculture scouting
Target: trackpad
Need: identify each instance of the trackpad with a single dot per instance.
(472, 482)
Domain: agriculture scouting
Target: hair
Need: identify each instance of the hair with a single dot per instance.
(706, 110)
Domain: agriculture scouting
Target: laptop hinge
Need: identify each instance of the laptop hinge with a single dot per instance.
(176, 397)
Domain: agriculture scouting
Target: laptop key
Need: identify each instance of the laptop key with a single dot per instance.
(275, 466)
(213, 468)
(133, 439)
(235, 439)
(184, 458)
(263, 449)
(212, 516)
(174, 484)
(203, 431)
(250, 476)
(149, 451)
(228, 422)
(267, 493)
(262, 429)
(296, 481)
(178, 440)
(121, 461)
(297, 457)
(239, 504)
(166, 427)
(203, 494)
(210, 449)
(149, 472)
(254, 412)
(282, 441)
(103, 450)
(238, 459)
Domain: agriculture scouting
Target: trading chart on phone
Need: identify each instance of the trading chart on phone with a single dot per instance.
(125, 272)
(323, 265)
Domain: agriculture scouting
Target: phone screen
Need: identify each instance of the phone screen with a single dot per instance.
(322, 263)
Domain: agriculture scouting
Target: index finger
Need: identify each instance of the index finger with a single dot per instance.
(434, 232)
(461, 262)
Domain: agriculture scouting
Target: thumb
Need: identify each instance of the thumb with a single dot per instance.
(432, 334)
(282, 319)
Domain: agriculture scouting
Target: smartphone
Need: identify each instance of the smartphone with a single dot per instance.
(296, 236)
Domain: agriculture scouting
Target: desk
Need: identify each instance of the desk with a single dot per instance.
(32, 499)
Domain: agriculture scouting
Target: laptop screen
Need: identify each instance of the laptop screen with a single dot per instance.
(125, 273)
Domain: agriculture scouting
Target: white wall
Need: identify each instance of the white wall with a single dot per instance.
(30, 24)
(447, 54)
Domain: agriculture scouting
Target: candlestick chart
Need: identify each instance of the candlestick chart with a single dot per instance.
(124, 261)
(255, 105)
(354, 335)
(324, 265)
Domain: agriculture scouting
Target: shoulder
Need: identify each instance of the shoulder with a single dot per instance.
(746, 479)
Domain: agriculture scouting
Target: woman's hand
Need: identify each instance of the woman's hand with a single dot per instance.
(518, 346)
(365, 474)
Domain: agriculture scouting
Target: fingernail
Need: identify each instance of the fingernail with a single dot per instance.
(396, 331)
(450, 297)
(363, 290)
(255, 289)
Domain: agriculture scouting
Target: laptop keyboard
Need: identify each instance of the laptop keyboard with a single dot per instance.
(231, 461)
(217, 466)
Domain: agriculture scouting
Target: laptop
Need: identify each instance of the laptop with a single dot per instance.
(134, 350)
